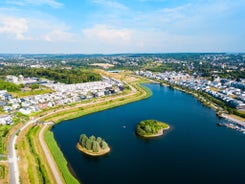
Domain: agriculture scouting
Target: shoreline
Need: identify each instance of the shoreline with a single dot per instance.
(141, 93)
(234, 120)
(91, 153)
(211, 105)
(137, 93)
(160, 133)
(133, 93)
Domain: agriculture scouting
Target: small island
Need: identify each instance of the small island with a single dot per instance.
(151, 128)
(92, 146)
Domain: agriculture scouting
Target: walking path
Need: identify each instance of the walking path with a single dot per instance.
(49, 156)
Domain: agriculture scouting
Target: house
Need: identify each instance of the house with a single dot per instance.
(5, 120)
(11, 78)
(2, 103)
(25, 110)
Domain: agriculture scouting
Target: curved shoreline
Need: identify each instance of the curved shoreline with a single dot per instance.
(91, 153)
(207, 102)
(160, 133)
(137, 92)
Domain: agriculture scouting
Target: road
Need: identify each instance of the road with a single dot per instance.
(13, 167)
(12, 155)
(49, 156)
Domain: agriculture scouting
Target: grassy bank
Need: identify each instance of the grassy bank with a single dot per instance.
(214, 103)
(71, 113)
(59, 158)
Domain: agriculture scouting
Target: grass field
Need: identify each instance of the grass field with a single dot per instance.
(59, 158)
(32, 168)
(41, 91)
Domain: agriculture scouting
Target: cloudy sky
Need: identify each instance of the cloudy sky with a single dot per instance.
(121, 26)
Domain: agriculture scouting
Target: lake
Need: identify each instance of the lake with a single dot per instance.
(194, 150)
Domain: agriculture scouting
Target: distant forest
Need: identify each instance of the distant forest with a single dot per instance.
(67, 76)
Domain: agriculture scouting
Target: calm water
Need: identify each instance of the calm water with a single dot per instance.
(195, 150)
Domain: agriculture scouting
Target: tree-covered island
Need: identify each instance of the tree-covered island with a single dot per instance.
(92, 146)
(151, 128)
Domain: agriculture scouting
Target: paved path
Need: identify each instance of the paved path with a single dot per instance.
(49, 156)
(12, 155)
(13, 166)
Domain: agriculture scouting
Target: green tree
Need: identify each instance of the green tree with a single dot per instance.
(148, 129)
(92, 138)
(83, 139)
(95, 146)
(104, 145)
(89, 144)
(99, 140)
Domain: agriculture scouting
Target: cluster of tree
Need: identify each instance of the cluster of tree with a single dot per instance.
(10, 87)
(92, 143)
(67, 76)
(150, 127)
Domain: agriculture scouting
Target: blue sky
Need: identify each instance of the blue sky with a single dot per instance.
(121, 26)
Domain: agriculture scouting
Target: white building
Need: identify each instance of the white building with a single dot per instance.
(5, 120)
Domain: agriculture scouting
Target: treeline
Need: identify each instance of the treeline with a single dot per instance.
(67, 76)
(92, 143)
(10, 87)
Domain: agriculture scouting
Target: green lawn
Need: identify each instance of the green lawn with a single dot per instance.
(32, 92)
(59, 158)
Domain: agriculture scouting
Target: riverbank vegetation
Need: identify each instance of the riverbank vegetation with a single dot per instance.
(93, 146)
(210, 101)
(151, 128)
(59, 158)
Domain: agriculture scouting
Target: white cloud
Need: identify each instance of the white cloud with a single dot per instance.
(58, 35)
(16, 27)
(51, 3)
(111, 4)
(107, 34)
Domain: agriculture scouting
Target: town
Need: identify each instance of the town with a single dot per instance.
(229, 91)
(63, 94)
